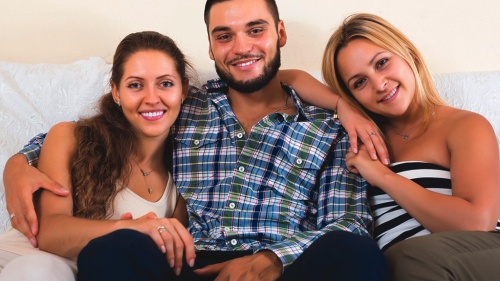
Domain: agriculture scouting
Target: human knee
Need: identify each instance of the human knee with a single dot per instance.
(417, 259)
(115, 245)
(352, 256)
(37, 267)
(348, 247)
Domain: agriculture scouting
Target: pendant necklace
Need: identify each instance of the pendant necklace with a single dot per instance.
(144, 176)
(407, 135)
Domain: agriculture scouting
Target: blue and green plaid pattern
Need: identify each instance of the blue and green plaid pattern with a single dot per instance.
(279, 188)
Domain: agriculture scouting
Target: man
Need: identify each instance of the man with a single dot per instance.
(264, 176)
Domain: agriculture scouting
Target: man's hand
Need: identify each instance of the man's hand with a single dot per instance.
(262, 266)
(21, 181)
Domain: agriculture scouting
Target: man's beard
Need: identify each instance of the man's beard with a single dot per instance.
(253, 85)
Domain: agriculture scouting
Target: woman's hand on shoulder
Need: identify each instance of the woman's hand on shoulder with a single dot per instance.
(358, 126)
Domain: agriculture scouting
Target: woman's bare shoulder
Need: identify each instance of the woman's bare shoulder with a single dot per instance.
(463, 125)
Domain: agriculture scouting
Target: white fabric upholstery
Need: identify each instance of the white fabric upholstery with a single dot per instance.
(33, 97)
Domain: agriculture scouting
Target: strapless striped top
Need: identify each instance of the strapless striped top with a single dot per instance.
(393, 223)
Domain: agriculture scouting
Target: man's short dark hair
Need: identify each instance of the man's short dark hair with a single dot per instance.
(271, 5)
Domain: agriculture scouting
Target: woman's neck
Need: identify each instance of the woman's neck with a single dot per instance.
(150, 153)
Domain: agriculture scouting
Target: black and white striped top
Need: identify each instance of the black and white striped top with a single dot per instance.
(394, 224)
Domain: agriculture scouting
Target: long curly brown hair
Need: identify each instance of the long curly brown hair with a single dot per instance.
(106, 141)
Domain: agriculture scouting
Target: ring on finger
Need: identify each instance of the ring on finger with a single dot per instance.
(373, 133)
(161, 229)
(11, 216)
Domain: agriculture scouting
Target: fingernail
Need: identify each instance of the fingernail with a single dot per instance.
(374, 156)
(386, 161)
(163, 250)
(355, 150)
(191, 263)
(172, 263)
(33, 242)
(177, 271)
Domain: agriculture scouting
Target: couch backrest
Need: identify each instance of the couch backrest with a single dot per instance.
(33, 97)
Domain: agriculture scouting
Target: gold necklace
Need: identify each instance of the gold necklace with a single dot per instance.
(407, 135)
(144, 176)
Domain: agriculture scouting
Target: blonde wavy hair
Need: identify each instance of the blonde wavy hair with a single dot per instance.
(383, 34)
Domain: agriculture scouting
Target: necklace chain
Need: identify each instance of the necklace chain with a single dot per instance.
(286, 105)
(407, 135)
(144, 176)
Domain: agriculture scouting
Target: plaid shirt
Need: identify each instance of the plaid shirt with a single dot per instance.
(278, 189)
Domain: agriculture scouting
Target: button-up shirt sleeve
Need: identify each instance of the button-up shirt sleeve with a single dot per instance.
(32, 150)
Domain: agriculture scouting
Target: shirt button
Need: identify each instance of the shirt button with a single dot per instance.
(239, 135)
(241, 169)
(196, 142)
(299, 161)
(227, 228)
(232, 205)
(234, 242)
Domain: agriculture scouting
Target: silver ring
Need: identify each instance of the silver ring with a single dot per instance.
(373, 133)
(11, 216)
(161, 229)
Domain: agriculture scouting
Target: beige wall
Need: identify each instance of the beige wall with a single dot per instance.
(452, 35)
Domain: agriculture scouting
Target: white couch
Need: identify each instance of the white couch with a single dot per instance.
(33, 97)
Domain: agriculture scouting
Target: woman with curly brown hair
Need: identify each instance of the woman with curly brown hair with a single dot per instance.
(115, 163)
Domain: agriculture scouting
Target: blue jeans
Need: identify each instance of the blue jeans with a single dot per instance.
(130, 255)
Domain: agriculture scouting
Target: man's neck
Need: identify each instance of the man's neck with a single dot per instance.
(250, 108)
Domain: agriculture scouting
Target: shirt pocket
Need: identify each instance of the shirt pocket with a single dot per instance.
(295, 171)
(201, 161)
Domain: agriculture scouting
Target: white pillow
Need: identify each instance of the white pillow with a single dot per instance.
(33, 97)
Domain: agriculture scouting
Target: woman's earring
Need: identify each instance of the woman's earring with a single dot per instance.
(118, 103)
(182, 101)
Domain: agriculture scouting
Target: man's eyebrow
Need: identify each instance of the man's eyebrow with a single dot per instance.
(220, 29)
(249, 24)
(257, 22)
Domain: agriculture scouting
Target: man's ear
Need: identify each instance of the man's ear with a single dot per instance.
(210, 53)
(282, 37)
(185, 88)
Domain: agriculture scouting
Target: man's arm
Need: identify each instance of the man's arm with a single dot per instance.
(357, 124)
(21, 180)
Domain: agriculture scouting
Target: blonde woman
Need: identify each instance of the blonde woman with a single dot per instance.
(436, 206)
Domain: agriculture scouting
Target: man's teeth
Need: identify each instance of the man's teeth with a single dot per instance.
(152, 114)
(246, 63)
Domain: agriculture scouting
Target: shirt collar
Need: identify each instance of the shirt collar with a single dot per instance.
(215, 88)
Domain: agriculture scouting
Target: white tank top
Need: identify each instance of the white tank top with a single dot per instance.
(127, 201)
